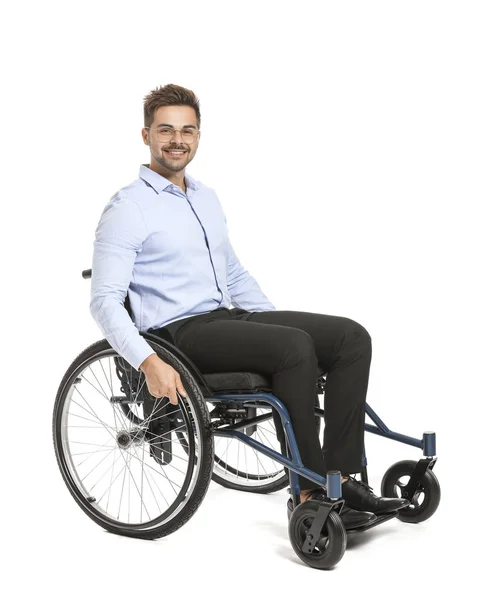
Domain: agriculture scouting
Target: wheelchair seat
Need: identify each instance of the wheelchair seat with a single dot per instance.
(241, 382)
(232, 382)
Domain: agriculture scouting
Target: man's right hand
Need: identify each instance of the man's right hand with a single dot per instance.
(161, 379)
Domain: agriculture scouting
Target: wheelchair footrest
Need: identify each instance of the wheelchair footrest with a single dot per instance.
(379, 519)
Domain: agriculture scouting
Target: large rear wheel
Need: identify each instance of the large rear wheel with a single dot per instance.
(118, 447)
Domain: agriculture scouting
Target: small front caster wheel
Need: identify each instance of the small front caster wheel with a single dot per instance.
(331, 545)
(426, 497)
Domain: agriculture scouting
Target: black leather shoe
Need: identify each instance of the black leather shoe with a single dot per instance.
(351, 519)
(360, 496)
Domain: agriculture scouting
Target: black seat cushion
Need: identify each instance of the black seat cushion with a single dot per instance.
(241, 382)
(232, 382)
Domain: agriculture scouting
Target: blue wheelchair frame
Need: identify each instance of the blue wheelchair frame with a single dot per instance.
(294, 462)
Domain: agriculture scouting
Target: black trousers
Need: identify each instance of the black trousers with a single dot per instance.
(289, 346)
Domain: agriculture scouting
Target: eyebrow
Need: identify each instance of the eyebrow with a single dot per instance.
(169, 125)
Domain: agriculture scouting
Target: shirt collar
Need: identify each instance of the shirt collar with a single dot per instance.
(160, 183)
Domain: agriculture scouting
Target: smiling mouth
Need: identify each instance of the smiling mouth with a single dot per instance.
(175, 153)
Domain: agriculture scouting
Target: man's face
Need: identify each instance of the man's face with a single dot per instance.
(166, 120)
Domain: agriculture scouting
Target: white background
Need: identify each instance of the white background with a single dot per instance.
(347, 142)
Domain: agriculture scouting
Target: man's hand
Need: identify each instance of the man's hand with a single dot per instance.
(161, 379)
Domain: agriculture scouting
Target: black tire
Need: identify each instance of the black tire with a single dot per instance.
(331, 546)
(428, 486)
(195, 413)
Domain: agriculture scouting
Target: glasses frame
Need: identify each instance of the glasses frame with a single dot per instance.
(197, 131)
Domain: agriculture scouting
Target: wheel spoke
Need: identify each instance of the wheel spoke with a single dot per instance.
(106, 445)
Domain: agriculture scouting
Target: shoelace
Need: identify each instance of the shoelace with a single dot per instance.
(365, 485)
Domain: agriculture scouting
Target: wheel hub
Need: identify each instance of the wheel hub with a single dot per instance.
(130, 437)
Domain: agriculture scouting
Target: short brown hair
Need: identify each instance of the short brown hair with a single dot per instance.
(169, 95)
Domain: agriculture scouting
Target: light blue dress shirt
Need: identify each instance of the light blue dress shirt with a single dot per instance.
(171, 253)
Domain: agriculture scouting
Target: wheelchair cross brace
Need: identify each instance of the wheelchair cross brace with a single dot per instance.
(294, 463)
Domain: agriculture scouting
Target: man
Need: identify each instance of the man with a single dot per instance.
(163, 239)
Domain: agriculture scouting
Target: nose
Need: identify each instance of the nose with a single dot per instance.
(177, 137)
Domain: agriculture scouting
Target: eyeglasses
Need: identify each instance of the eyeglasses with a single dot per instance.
(165, 134)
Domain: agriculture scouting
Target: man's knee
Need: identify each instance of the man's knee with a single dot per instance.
(354, 331)
(298, 346)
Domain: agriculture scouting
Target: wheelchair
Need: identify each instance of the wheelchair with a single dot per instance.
(140, 466)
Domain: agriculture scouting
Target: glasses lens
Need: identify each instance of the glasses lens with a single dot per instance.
(165, 134)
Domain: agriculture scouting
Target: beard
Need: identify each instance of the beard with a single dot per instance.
(172, 164)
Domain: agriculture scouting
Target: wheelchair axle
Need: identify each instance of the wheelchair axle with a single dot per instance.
(132, 437)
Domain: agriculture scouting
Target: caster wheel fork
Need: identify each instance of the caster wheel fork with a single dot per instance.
(426, 491)
(317, 533)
